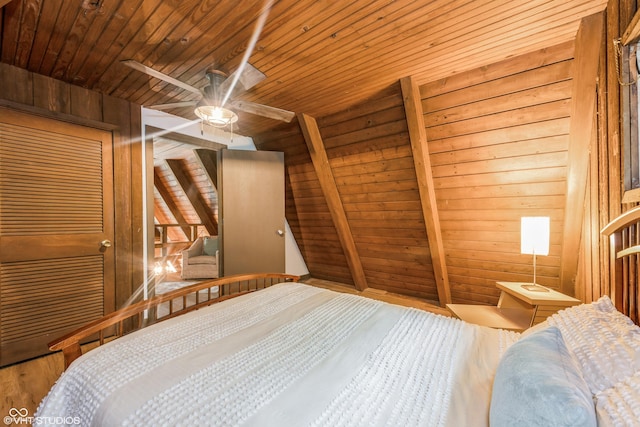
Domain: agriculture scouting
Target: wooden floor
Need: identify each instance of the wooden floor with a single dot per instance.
(24, 385)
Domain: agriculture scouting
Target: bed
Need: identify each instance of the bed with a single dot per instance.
(284, 353)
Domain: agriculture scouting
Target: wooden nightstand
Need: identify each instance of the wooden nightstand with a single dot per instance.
(518, 307)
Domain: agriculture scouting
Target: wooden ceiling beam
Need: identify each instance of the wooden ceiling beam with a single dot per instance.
(208, 161)
(632, 32)
(202, 210)
(166, 195)
(161, 216)
(583, 102)
(321, 165)
(184, 138)
(422, 162)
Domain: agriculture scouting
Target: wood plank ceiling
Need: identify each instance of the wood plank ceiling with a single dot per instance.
(320, 57)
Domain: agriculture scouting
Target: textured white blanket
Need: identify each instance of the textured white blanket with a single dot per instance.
(289, 355)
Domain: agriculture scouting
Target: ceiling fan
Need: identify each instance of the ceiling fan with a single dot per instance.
(211, 108)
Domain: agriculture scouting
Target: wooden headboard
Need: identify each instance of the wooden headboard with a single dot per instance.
(624, 241)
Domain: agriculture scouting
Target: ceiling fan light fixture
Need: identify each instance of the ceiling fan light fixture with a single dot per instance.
(216, 116)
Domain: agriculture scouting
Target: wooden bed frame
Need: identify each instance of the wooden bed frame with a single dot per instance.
(144, 313)
(624, 263)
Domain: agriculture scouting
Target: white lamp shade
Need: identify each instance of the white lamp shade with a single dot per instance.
(534, 235)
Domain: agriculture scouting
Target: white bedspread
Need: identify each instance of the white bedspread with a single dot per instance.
(289, 355)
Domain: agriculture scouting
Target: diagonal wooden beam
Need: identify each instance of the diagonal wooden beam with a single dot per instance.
(171, 204)
(209, 163)
(168, 234)
(632, 32)
(320, 161)
(583, 110)
(194, 196)
(422, 162)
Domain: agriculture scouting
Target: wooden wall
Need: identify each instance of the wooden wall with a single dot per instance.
(33, 93)
(499, 144)
(370, 158)
(605, 197)
(498, 141)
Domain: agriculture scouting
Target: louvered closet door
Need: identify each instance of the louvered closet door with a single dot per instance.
(56, 210)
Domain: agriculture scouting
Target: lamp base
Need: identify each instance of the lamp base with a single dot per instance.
(534, 287)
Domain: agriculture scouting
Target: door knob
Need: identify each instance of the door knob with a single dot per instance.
(105, 243)
(280, 233)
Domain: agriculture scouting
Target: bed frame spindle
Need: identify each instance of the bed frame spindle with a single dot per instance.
(624, 243)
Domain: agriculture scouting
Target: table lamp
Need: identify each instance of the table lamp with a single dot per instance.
(534, 240)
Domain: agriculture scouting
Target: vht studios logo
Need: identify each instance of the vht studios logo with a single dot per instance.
(21, 416)
(17, 416)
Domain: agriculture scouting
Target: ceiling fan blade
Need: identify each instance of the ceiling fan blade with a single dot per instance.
(263, 110)
(250, 77)
(174, 105)
(158, 75)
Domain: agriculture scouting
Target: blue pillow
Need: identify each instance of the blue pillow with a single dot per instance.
(210, 245)
(537, 383)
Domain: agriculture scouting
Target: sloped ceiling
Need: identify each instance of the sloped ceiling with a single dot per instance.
(320, 57)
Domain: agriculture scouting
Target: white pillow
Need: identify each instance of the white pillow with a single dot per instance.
(620, 405)
(605, 342)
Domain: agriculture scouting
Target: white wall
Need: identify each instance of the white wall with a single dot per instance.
(294, 263)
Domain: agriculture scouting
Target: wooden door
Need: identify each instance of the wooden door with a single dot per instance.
(251, 211)
(56, 228)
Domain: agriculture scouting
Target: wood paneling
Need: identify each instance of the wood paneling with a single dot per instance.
(330, 191)
(583, 111)
(605, 191)
(319, 59)
(370, 158)
(499, 140)
(499, 149)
